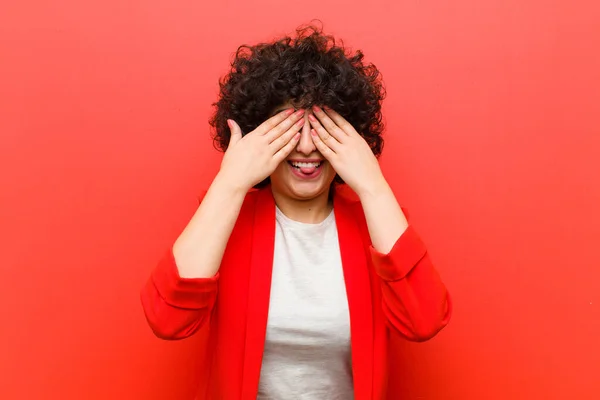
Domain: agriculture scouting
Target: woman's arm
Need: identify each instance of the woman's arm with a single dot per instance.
(179, 296)
(385, 219)
(199, 249)
(415, 301)
(248, 160)
(181, 292)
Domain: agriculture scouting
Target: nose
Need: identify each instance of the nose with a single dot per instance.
(306, 145)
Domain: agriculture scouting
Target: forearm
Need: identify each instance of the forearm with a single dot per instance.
(385, 219)
(199, 249)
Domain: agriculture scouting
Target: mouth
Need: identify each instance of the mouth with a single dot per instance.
(304, 164)
(306, 169)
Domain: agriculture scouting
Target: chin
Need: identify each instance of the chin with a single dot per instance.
(307, 192)
(302, 191)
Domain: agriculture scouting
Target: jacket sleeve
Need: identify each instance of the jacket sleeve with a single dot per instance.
(177, 307)
(415, 301)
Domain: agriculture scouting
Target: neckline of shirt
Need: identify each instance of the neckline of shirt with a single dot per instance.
(284, 219)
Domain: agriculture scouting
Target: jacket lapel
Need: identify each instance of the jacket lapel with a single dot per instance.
(259, 291)
(358, 290)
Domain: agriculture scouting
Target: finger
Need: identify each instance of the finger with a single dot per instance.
(340, 121)
(324, 149)
(283, 140)
(235, 130)
(287, 149)
(285, 125)
(325, 135)
(328, 123)
(273, 122)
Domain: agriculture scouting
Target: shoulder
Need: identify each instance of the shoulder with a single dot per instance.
(346, 194)
(348, 206)
(253, 198)
(351, 200)
(346, 200)
(257, 203)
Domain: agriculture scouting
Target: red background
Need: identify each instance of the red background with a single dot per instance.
(493, 143)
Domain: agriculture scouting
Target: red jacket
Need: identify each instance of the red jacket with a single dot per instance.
(399, 292)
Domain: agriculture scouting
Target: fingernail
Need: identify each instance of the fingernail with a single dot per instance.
(313, 132)
(312, 118)
(289, 111)
(229, 123)
(297, 136)
(300, 122)
(300, 113)
(317, 109)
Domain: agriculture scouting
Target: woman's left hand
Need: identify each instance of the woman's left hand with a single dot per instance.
(346, 150)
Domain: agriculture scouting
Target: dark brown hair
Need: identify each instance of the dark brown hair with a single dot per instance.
(310, 68)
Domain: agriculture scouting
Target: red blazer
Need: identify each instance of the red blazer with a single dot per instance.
(399, 292)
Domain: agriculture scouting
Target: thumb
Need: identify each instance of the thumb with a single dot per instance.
(236, 132)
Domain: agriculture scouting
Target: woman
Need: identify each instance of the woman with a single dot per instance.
(299, 259)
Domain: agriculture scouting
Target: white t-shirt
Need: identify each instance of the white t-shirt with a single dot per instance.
(307, 352)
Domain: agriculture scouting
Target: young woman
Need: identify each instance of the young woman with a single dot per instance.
(299, 260)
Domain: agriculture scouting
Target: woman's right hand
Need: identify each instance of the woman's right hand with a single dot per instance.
(250, 159)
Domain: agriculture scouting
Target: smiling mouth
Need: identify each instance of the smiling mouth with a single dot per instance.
(300, 165)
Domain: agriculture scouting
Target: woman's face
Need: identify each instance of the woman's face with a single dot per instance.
(305, 174)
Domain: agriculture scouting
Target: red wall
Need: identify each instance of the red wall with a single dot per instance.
(493, 143)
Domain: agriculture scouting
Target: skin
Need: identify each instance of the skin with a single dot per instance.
(351, 157)
(199, 249)
(265, 152)
(303, 200)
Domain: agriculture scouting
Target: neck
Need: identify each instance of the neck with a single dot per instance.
(310, 211)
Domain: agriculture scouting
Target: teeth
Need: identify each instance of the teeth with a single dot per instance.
(306, 165)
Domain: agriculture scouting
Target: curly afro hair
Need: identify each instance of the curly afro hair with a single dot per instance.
(309, 69)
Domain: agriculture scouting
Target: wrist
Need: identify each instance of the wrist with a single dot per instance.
(374, 189)
(224, 183)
